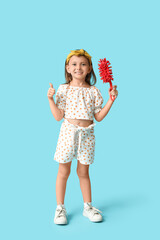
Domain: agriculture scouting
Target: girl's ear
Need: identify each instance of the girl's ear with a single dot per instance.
(67, 68)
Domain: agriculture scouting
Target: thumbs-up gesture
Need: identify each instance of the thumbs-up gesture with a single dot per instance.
(51, 91)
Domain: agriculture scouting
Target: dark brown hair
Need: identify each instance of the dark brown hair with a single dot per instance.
(68, 76)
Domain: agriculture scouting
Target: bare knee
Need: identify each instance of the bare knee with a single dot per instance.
(82, 173)
(64, 170)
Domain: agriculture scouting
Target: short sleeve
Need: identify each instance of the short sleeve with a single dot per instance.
(98, 100)
(60, 98)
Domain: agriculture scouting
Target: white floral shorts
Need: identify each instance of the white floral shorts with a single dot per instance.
(75, 142)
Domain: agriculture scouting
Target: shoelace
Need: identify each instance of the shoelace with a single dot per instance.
(95, 210)
(61, 212)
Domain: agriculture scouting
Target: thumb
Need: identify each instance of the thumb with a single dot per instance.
(51, 85)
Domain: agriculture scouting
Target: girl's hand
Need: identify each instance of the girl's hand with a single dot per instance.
(113, 92)
(51, 91)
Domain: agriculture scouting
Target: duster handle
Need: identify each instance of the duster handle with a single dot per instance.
(111, 87)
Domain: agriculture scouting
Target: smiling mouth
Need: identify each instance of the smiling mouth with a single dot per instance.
(79, 73)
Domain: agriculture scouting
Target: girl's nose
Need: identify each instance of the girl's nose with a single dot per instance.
(78, 67)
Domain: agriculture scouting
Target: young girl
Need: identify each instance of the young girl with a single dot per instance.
(78, 102)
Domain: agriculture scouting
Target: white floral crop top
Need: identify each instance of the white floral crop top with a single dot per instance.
(79, 102)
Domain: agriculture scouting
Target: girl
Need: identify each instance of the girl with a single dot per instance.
(78, 102)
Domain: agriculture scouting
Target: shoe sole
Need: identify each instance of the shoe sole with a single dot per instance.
(59, 223)
(90, 219)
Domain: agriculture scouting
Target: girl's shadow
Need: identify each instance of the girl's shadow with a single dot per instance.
(108, 207)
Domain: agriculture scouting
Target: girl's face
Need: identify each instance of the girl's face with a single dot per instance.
(78, 67)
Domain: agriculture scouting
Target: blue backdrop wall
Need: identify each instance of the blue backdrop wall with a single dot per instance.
(36, 37)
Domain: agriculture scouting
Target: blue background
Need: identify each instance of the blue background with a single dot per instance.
(36, 37)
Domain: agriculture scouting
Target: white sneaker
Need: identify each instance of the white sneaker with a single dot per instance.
(60, 215)
(92, 213)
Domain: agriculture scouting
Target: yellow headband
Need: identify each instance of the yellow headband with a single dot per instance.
(78, 52)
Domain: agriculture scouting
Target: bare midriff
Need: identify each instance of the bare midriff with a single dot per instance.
(80, 122)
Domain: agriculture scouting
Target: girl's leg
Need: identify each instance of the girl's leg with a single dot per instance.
(85, 184)
(62, 176)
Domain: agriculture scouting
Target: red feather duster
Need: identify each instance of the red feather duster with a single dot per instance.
(105, 72)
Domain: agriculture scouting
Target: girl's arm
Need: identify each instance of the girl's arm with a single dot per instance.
(57, 113)
(100, 115)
